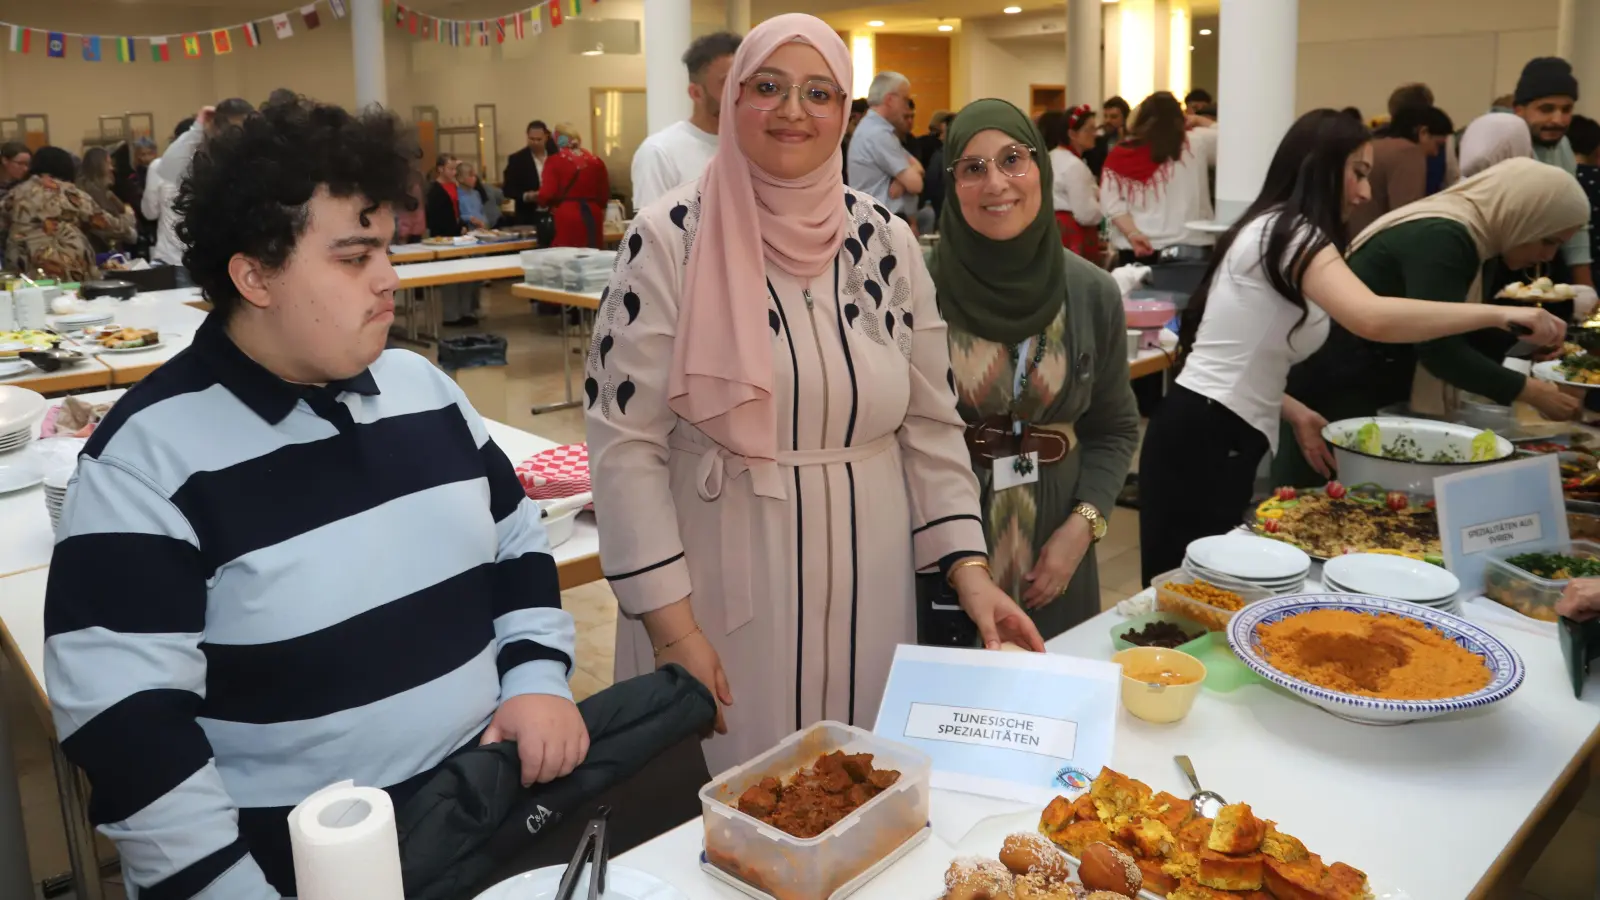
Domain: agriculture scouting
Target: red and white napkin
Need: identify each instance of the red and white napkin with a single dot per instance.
(556, 473)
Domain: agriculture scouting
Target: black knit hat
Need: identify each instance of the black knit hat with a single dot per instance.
(1546, 76)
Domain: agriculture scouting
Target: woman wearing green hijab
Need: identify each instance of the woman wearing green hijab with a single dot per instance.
(1038, 353)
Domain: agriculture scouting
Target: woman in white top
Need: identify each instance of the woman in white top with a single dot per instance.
(1264, 304)
(1158, 180)
(1069, 134)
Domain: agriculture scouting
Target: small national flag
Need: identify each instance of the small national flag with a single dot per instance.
(575, 8)
(252, 34)
(221, 43)
(399, 16)
(517, 27)
(427, 27)
(483, 34)
(555, 13)
(281, 26)
(91, 48)
(57, 45)
(159, 51)
(191, 45)
(309, 14)
(21, 38)
(124, 49)
(338, 8)
(536, 19)
(500, 30)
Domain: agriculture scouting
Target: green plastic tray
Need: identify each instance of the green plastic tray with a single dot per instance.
(1224, 672)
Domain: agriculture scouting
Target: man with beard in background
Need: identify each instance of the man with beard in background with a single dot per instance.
(1546, 94)
(677, 154)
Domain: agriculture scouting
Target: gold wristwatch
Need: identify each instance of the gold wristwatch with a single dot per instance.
(1097, 522)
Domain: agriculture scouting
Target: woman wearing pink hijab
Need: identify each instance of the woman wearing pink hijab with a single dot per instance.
(773, 438)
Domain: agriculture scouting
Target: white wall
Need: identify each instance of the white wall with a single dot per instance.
(987, 67)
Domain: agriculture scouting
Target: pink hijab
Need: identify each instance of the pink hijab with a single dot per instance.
(721, 377)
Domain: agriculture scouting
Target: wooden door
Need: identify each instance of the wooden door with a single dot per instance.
(1045, 97)
(925, 60)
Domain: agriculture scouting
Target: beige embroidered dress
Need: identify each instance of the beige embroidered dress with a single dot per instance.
(806, 594)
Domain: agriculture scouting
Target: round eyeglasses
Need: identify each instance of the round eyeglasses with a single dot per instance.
(820, 99)
(1013, 162)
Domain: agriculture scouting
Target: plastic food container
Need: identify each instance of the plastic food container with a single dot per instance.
(1137, 623)
(791, 868)
(1524, 592)
(1214, 618)
(1154, 702)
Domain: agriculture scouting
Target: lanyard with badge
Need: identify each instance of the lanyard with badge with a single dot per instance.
(1022, 468)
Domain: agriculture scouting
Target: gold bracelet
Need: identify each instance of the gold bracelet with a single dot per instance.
(675, 642)
(964, 563)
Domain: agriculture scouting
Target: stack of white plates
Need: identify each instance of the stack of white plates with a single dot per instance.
(82, 320)
(1239, 560)
(55, 493)
(20, 470)
(1392, 578)
(58, 458)
(20, 412)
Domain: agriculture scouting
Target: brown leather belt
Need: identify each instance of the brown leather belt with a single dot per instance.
(993, 438)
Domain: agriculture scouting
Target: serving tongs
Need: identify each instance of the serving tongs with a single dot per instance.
(594, 850)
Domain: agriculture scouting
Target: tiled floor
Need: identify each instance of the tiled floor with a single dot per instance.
(532, 375)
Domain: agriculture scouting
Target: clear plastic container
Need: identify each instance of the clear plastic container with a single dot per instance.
(1524, 592)
(1137, 623)
(1214, 618)
(791, 868)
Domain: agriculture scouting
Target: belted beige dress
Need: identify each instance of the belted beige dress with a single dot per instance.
(801, 573)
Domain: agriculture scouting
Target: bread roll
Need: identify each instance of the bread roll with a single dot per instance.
(1029, 853)
(1105, 868)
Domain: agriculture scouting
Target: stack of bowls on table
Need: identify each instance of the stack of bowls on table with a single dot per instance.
(20, 412)
(1237, 560)
(1392, 578)
(58, 461)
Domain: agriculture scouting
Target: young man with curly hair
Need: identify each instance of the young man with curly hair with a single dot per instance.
(333, 571)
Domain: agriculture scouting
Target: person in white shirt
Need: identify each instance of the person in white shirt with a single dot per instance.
(169, 171)
(1069, 134)
(677, 154)
(1158, 180)
(1277, 278)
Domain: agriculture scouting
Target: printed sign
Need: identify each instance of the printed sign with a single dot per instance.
(1495, 508)
(1021, 726)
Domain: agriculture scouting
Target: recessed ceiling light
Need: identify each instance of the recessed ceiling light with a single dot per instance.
(947, 28)
(875, 23)
(1012, 10)
(1205, 31)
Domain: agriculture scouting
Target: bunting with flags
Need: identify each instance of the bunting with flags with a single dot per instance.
(308, 14)
(124, 49)
(252, 34)
(281, 27)
(536, 19)
(159, 51)
(56, 45)
(191, 45)
(338, 8)
(21, 38)
(91, 48)
(500, 30)
(516, 27)
(555, 13)
(221, 42)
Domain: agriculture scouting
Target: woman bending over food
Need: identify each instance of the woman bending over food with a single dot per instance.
(1038, 351)
(1265, 303)
(772, 431)
(1520, 210)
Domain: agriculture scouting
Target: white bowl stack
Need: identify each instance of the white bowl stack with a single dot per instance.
(20, 412)
(1392, 578)
(58, 461)
(1238, 560)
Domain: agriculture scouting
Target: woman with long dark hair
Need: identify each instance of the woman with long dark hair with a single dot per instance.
(98, 180)
(1157, 181)
(1276, 279)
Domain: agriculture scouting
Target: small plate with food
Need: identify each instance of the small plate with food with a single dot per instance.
(129, 340)
(1540, 290)
(13, 343)
(1580, 370)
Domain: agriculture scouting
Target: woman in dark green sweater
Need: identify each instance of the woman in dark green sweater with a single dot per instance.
(1521, 211)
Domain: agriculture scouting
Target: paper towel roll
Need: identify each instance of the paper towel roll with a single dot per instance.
(345, 845)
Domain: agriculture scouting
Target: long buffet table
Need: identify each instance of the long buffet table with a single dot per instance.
(1439, 809)
(26, 542)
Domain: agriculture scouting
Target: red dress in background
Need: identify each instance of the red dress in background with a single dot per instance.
(575, 188)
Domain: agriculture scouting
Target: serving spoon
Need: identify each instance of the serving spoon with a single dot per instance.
(1206, 803)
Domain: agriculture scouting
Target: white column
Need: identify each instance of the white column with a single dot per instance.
(1111, 83)
(1255, 90)
(666, 36)
(1576, 42)
(739, 16)
(1083, 53)
(1161, 49)
(366, 45)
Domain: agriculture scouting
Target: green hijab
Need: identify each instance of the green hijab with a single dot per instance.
(1003, 291)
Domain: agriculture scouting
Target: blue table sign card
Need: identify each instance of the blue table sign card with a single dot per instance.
(1498, 507)
(1020, 726)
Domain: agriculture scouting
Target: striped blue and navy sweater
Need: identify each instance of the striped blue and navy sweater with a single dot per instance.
(260, 588)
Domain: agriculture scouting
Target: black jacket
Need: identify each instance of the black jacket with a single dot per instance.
(522, 176)
(439, 209)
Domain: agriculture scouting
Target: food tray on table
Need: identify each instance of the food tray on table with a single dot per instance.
(1202, 612)
(845, 890)
(1534, 593)
(1335, 520)
(775, 862)
(1579, 370)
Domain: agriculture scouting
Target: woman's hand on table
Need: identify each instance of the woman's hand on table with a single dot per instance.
(1308, 424)
(1543, 328)
(998, 617)
(551, 737)
(677, 638)
(1581, 600)
(1058, 561)
(1549, 400)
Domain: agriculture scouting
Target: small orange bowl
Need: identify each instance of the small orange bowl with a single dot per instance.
(1158, 684)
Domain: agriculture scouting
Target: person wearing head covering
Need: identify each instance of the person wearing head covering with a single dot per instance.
(1039, 355)
(575, 187)
(1547, 91)
(1521, 211)
(773, 437)
(1493, 138)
